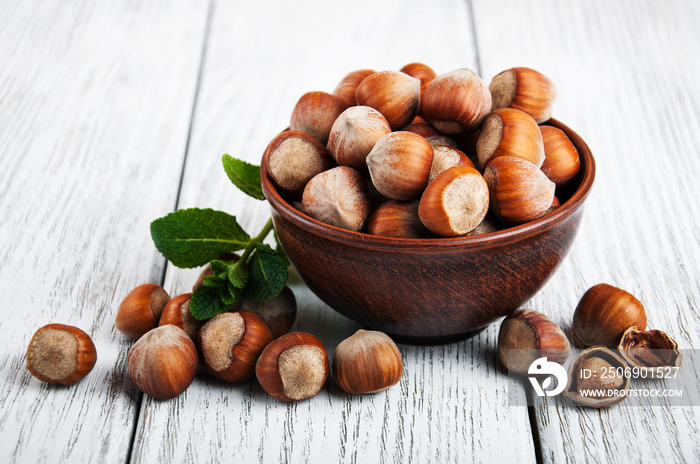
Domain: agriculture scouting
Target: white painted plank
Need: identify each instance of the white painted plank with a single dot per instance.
(95, 106)
(450, 404)
(627, 79)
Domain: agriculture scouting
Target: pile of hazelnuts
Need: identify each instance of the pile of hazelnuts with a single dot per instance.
(412, 154)
(250, 341)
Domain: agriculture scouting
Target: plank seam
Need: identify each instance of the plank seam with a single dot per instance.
(198, 84)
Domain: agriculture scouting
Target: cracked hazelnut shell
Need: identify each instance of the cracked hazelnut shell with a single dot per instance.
(596, 368)
(651, 348)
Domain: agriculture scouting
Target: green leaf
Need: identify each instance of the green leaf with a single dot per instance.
(207, 302)
(268, 274)
(193, 237)
(244, 175)
(237, 276)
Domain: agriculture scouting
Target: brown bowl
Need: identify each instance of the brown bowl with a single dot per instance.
(430, 290)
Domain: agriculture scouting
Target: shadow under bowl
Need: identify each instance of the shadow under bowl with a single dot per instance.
(430, 290)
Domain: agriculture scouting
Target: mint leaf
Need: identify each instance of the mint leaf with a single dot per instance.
(244, 175)
(193, 237)
(268, 274)
(207, 302)
(237, 276)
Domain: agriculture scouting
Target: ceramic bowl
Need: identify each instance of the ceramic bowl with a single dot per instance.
(431, 290)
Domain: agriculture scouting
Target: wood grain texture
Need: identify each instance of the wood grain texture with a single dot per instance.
(627, 85)
(95, 106)
(450, 403)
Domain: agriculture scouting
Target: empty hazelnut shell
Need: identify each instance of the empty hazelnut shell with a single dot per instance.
(651, 348)
(597, 378)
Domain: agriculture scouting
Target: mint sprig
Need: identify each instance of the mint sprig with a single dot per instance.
(193, 237)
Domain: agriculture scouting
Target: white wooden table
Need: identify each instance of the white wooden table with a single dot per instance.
(115, 113)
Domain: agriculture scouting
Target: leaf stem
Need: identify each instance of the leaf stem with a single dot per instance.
(258, 239)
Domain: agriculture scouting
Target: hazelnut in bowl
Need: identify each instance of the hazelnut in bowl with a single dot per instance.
(428, 290)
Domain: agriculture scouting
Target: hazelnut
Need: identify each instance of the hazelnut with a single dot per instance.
(399, 165)
(594, 372)
(339, 197)
(140, 310)
(367, 362)
(456, 102)
(347, 87)
(423, 129)
(315, 113)
(354, 134)
(394, 94)
(519, 191)
(604, 313)
(163, 362)
(177, 312)
(555, 204)
(652, 348)
(60, 354)
(561, 162)
(436, 140)
(524, 89)
(277, 313)
(293, 367)
(509, 132)
(455, 202)
(420, 71)
(489, 224)
(231, 343)
(397, 219)
(527, 335)
(445, 157)
(294, 157)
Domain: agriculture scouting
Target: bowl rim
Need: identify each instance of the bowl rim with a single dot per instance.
(441, 244)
